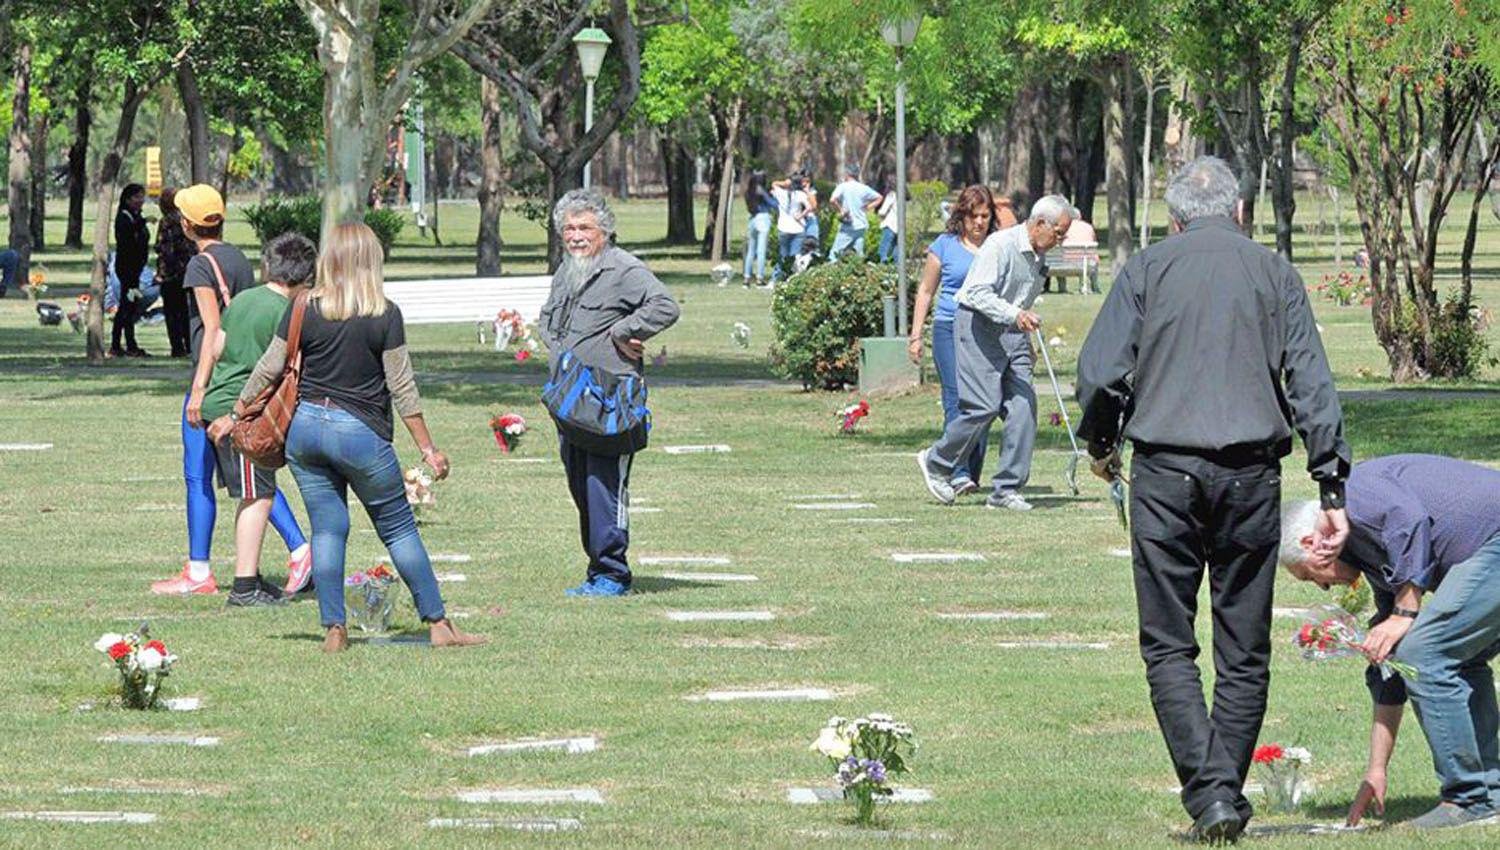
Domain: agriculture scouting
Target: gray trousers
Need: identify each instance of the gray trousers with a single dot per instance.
(994, 380)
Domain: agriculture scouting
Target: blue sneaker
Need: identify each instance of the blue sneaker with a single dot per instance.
(599, 586)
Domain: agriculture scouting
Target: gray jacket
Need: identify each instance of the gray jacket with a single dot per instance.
(1004, 278)
(621, 300)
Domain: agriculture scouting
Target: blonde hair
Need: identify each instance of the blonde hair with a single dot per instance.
(351, 271)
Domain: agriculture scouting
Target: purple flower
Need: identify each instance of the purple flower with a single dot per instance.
(876, 771)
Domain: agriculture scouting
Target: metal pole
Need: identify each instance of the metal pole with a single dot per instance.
(588, 124)
(900, 197)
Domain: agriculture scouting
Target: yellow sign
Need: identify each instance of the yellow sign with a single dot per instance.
(153, 172)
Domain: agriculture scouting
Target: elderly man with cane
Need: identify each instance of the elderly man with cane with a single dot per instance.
(1420, 525)
(1206, 354)
(992, 346)
(603, 306)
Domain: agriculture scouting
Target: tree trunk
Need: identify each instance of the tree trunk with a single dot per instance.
(1283, 198)
(20, 162)
(78, 165)
(721, 182)
(491, 180)
(230, 143)
(109, 175)
(1117, 155)
(41, 128)
(1150, 81)
(354, 131)
(1176, 139)
(197, 121)
(677, 165)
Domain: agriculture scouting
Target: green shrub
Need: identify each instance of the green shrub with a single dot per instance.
(1458, 343)
(304, 215)
(819, 316)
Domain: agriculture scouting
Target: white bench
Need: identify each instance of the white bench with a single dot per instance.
(469, 299)
(1080, 260)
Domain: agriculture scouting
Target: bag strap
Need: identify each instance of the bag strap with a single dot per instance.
(294, 328)
(218, 275)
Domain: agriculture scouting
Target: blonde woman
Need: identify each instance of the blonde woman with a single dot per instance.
(355, 369)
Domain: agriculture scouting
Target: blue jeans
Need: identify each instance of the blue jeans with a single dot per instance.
(848, 239)
(787, 246)
(329, 451)
(947, 367)
(756, 239)
(887, 244)
(1451, 645)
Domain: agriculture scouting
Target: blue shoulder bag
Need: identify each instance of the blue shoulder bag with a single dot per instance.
(597, 410)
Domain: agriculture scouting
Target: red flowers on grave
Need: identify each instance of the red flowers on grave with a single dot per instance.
(1268, 753)
(849, 416)
(523, 355)
(508, 429)
(119, 649)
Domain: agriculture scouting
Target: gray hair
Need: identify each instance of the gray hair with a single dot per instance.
(580, 201)
(852, 169)
(1298, 519)
(1204, 187)
(1050, 209)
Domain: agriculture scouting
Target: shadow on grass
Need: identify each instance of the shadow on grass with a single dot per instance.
(658, 584)
(1396, 809)
(1462, 428)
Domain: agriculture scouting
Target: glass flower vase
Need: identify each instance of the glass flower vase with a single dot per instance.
(370, 606)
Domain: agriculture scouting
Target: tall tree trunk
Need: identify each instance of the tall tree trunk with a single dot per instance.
(1117, 156)
(229, 144)
(677, 165)
(109, 175)
(721, 183)
(491, 180)
(78, 163)
(41, 129)
(354, 126)
(1283, 198)
(1176, 139)
(20, 161)
(197, 121)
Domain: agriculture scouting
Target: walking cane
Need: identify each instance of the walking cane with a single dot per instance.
(1057, 392)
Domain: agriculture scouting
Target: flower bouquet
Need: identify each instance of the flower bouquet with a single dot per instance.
(509, 428)
(510, 325)
(740, 335)
(865, 753)
(79, 316)
(418, 491)
(142, 663)
(1280, 769)
(36, 284)
(367, 596)
(1329, 631)
(849, 416)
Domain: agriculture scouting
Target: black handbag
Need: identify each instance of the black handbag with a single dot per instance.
(595, 409)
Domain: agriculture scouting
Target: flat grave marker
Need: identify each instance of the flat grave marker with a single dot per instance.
(992, 615)
(719, 616)
(709, 577)
(162, 740)
(399, 640)
(83, 817)
(645, 510)
(875, 520)
(717, 448)
(833, 506)
(1052, 644)
(531, 796)
(935, 557)
(814, 796)
(183, 703)
(25, 447)
(450, 558)
(571, 746)
(826, 497)
(72, 790)
(1119, 553)
(451, 577)
(518, 824)
(774, 695)
(685, 560)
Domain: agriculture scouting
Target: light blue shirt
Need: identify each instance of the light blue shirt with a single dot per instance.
(955, 259)
(854, 196)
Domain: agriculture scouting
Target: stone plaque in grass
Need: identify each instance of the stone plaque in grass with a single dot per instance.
(1052, 644)
(565, 745)
(531, 796)
(813, 796)
(163, 740)
(833, 506)
(710, 577)
(83, 817)
(517, 824)
(771, 695)
(935, 557)
(684, 560)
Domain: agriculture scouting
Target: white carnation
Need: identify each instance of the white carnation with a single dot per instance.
(107, 640)
(151, 660)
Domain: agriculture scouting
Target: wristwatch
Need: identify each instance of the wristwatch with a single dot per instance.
(1410, 613)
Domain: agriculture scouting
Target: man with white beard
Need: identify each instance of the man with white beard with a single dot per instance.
(603, 307)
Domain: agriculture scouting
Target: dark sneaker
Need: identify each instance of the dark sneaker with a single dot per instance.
(1448, 815)
(256, 598)
(936, 484)
(136, 352)
(1219, 824)
(270, 590)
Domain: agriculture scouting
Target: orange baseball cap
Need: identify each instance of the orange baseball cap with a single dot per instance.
(201, 204)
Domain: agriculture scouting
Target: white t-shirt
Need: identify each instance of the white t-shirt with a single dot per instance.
(790, 206)
(854, 196)
(887, 212)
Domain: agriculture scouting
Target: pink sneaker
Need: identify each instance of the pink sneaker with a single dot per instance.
(184, 585)
(298, 572)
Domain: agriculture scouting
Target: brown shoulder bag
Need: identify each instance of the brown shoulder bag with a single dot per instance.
(260, 432)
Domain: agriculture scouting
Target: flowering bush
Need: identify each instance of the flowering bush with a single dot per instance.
(1280, 769)
(1329, 631)
(865, 753)
(508, 429)
(142, 663)
(849, 416)
(1345, 289)
(367, 596)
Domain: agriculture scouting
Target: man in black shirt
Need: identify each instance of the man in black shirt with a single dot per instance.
(1206, 353)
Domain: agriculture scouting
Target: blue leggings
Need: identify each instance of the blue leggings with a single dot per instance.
(202, 508)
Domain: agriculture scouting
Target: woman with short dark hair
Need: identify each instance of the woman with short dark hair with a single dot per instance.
(970, 222)
(132, 244)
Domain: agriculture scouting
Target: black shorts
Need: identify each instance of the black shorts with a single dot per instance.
(243, 479)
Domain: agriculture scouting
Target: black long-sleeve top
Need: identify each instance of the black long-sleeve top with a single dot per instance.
(132, 248)
(1206, 342)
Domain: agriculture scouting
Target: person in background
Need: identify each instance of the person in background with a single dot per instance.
(132, 244)
(214, 276)
(852, 201)
(173, 251)
(761, 206)
(355, 369)
(10, 260)
(604, 305)
(971, 220)
(887, 213)
(791, 209)
(811, 227)
(250, 323)
(806, 256)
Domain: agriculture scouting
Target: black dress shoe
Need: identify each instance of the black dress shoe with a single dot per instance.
(1219, 824)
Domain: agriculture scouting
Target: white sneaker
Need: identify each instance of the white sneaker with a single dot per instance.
(1007, 501)
(936, 484)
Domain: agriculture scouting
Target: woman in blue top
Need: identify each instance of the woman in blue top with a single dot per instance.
(970, 222)
(761, 207)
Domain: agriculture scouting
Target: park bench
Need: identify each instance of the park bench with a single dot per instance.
(1080, 260)
(468, 299)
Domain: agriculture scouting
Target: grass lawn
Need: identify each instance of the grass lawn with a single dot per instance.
(1022, 747)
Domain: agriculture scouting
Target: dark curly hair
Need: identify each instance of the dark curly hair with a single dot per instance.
(972, 198)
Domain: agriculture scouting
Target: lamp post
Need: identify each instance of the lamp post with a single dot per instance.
(900, 33)
(592, 44)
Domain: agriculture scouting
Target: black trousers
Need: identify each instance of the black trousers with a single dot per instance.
(174, 301)
(126, 315)
(1220, 513)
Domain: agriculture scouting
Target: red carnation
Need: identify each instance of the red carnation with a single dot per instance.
(1268, 753)
(1390, 19)
(523, 355)
(119, 649)
(158, 646)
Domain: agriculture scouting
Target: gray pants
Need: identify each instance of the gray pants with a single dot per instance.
(994, 380)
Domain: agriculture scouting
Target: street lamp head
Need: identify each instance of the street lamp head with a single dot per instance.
(901, 32)
(592, 44)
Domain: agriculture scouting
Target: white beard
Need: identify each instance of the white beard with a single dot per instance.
(576, 270)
